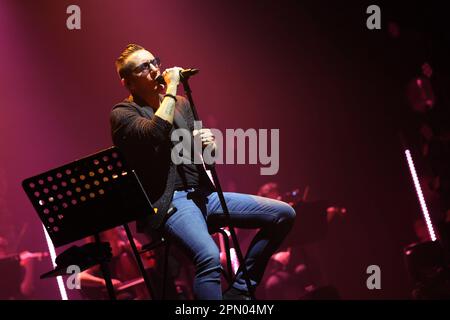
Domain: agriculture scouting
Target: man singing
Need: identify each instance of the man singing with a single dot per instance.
(141, 127)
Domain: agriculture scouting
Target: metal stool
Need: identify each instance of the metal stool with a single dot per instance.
(162, 241)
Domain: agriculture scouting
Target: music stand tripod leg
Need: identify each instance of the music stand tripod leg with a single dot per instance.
(105, 272)
(139, 262)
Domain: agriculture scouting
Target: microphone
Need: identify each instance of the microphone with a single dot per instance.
(184, 75)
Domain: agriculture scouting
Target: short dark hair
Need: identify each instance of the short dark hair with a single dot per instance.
(121, 67)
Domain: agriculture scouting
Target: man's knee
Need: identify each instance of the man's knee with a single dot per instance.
(208, 258)
(286, 214)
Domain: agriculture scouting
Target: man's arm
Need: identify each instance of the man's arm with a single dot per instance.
(89, 280)
(167, 108)
(27, 285)
(127, 123)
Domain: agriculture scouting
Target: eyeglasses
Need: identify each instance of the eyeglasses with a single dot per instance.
(146, 66)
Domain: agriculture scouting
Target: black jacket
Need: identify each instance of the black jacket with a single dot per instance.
(144, 140)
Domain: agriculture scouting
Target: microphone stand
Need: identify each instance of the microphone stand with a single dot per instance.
(188, 91)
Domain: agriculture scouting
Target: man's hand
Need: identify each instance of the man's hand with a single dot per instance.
(282, 257)
(172, 78)
(116, 283)
(27, 256)
(206, 137)
(208, 141)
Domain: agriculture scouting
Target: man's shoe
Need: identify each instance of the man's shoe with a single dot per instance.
(236, 294)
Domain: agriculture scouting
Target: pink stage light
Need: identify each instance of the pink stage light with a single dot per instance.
(59, 279)
(422, 202)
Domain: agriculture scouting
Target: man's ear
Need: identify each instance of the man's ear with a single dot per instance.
(126, 83)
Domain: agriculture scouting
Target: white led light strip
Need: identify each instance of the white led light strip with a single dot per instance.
(59, 279)
(422, 202)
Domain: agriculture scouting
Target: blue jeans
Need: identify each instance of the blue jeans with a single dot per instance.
(199, 212)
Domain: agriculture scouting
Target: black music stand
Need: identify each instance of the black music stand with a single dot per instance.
(88, 196)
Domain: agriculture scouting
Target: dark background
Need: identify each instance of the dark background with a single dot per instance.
(335, 89)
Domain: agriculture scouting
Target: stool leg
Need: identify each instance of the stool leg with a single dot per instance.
(226, 241)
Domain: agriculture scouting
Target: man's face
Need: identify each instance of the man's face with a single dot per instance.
(269, 190)
(143, 72)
